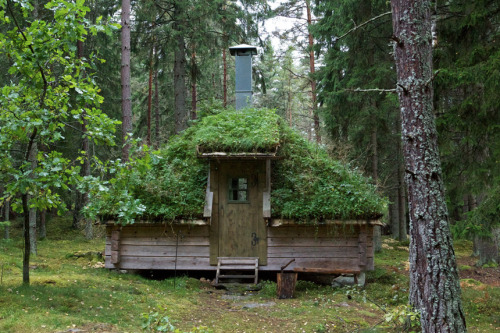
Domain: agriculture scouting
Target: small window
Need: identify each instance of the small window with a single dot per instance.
(238, 190)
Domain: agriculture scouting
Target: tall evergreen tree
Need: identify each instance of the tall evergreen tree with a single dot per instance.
(434, 281)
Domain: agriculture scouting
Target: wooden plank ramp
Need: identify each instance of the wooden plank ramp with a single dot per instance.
(237, 268)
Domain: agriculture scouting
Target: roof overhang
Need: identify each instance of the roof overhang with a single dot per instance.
(239, 156)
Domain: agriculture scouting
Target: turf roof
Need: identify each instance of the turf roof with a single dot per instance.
(307, 185)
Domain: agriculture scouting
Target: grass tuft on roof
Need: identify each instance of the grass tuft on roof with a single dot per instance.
(307, 184)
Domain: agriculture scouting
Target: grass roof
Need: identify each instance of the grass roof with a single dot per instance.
(306, 183)
(245, 130)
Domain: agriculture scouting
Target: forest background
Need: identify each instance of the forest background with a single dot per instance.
(335, 83)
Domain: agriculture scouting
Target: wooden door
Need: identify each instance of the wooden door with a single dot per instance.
(242, 230)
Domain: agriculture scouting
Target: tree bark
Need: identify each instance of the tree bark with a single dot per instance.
(32, 210)
(377, 232)
(125, 80)
(487, 248)
(193, 83)
(43, 225)
(312, 71)
(179, 75)
(434, 283)
(224, 60)
(27, 245)
(394, 212)
(150, 96)
(157, 108)
(403, 230)
(6, 213)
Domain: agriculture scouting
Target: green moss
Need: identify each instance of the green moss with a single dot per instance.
(245, 130)
(306, 183)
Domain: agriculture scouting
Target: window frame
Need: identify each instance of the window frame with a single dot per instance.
(231, 190)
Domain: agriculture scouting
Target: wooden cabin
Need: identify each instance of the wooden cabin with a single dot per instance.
(237, 222)
(239, 219)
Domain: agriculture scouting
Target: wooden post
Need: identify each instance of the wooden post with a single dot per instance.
(115, 247)
(286, 285)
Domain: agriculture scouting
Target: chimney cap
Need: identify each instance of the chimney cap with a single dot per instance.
(243, 48)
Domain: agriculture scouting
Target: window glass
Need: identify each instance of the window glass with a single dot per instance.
(238, 190)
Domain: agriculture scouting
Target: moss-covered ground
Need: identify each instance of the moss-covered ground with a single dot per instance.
(71, 290)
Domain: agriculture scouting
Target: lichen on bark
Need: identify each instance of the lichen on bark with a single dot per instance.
(434, 282)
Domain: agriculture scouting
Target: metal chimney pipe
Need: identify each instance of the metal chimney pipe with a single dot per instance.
(243, 60)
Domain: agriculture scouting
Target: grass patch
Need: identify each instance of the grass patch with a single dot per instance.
(70, 289)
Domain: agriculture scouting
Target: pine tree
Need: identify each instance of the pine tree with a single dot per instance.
(434, 281)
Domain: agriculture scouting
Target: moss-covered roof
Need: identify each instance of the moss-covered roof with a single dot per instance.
(237, 131)
(306, 183)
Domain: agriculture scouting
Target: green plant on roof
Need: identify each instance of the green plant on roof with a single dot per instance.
(245, 130)
(306, 183)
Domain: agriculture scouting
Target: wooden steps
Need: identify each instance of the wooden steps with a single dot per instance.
(247, 266)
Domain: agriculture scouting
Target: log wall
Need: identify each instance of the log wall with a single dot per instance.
(154, 247)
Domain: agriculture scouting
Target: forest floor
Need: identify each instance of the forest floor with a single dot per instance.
(71, 291)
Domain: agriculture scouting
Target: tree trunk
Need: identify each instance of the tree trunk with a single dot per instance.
(434, 282)
(487, 248)
(193, 84)
(403, 230)
(224, 59)
(311, 71)
(125, 80)
(179, 76)
(394, 212)
(78, 208)
(43, 225)
(157, 106)
(150, 96)
(6, 213)
(27, 245)
(32, 211)
(377, 232)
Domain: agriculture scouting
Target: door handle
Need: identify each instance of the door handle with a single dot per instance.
(255, 239)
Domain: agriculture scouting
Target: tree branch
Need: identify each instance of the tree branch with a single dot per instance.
(45, 84)
(393, 91)
(356, 27)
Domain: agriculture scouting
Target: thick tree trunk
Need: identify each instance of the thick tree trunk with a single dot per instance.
(312, 71)
(125, 80)
(403, 229)
(434, 282)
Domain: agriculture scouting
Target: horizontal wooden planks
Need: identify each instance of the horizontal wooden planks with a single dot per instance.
(162, 263)
(168, 251)
(275, 264)
(154, 247)
(161, 247)
(328, 247)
